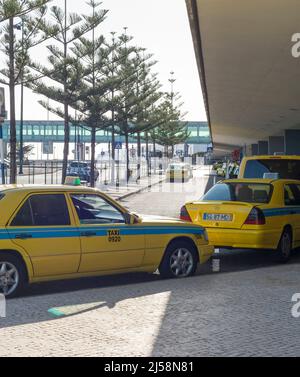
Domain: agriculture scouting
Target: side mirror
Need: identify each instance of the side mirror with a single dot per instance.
(131, 219)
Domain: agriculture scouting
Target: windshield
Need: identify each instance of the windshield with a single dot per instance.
(240, 192)
(287, 169)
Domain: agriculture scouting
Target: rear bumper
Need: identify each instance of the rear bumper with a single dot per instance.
(177, 176)
(244, 238)
(205, 252)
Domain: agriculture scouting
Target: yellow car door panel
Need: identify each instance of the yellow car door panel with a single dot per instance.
(43, 228)
(292, 209)
(107, 242)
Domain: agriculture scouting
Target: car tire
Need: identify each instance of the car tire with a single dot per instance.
(12, 268)
(180, 260)
(284, 249)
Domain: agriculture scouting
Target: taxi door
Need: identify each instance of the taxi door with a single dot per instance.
(292, 203)
(43, 227)
(107, 242)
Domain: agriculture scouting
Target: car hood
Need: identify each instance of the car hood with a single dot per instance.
(164, 221)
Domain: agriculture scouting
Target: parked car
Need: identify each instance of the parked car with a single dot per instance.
(82, 170)
(179, 172)
(286, 167)
(67, 232)
(250, 214)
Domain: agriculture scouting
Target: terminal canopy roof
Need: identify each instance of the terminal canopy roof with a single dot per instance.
(250, 80)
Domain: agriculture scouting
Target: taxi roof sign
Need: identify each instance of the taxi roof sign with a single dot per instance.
(73, 181)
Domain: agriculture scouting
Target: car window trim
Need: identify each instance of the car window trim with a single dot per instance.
(291, 186)
(230, 184)
(28, 196)
(103, 198)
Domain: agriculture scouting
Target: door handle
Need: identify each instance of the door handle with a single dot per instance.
(23, 236)
(88, 234)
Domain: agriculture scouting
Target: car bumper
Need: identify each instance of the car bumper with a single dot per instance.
(205, 252)
(178, 176)
(244, 238)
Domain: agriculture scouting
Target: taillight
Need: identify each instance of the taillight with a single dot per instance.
(256, 217)
(184, 215)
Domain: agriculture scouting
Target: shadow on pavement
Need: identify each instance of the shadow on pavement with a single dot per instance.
(93, 293)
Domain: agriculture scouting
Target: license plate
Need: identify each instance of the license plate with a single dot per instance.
(217, 217)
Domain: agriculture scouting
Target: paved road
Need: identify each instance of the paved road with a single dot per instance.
(167, 198)
(244, 310)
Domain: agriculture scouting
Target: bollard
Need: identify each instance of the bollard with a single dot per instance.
(2, 306)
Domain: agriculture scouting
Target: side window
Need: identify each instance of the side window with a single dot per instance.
(289, 197)
(296, 192)
(92, 209)
(24, 216)
(43, 210)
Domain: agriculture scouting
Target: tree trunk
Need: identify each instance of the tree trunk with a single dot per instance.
(139, 156)
(127, 157)
(66, 142)
(66, 105)
(113, 153)
(13, 131)
(147, 154)
(93, 155)
(154, 154)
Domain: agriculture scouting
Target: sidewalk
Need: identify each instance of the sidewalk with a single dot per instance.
(124, 191)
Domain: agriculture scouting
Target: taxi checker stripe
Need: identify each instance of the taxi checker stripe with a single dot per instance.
(100, 232)
(189, 229)
(281, 211)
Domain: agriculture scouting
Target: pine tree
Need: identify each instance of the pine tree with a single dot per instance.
(93, 101)
(30, 16)
(135, 93)
(172, 130)
(66, 69)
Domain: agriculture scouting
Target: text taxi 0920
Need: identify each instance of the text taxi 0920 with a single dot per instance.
(63, 232)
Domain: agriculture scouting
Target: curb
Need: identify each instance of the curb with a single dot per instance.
(125, 196)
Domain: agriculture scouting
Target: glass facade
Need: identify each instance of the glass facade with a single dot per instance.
(38, 132)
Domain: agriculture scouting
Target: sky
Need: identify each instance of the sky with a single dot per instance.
(162, 27)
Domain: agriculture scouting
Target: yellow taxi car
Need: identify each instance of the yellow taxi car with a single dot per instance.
(250, 214)
(63, 232)
(179, 172)
(286, 167)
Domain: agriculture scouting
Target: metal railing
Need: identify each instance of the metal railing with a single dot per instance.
(110, 172)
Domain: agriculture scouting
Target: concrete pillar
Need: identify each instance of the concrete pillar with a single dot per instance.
(254, 149)
(292, 142)
(263, 148)
(276, 144)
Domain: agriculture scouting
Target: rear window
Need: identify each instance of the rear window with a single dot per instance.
(287, 169)
(240, 192)
(78, 165)
(177, 167)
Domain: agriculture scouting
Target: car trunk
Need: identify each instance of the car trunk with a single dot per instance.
(219, 214)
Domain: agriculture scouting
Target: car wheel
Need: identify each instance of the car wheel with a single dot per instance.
(180, 261)
(284, 249)
(12, 275)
